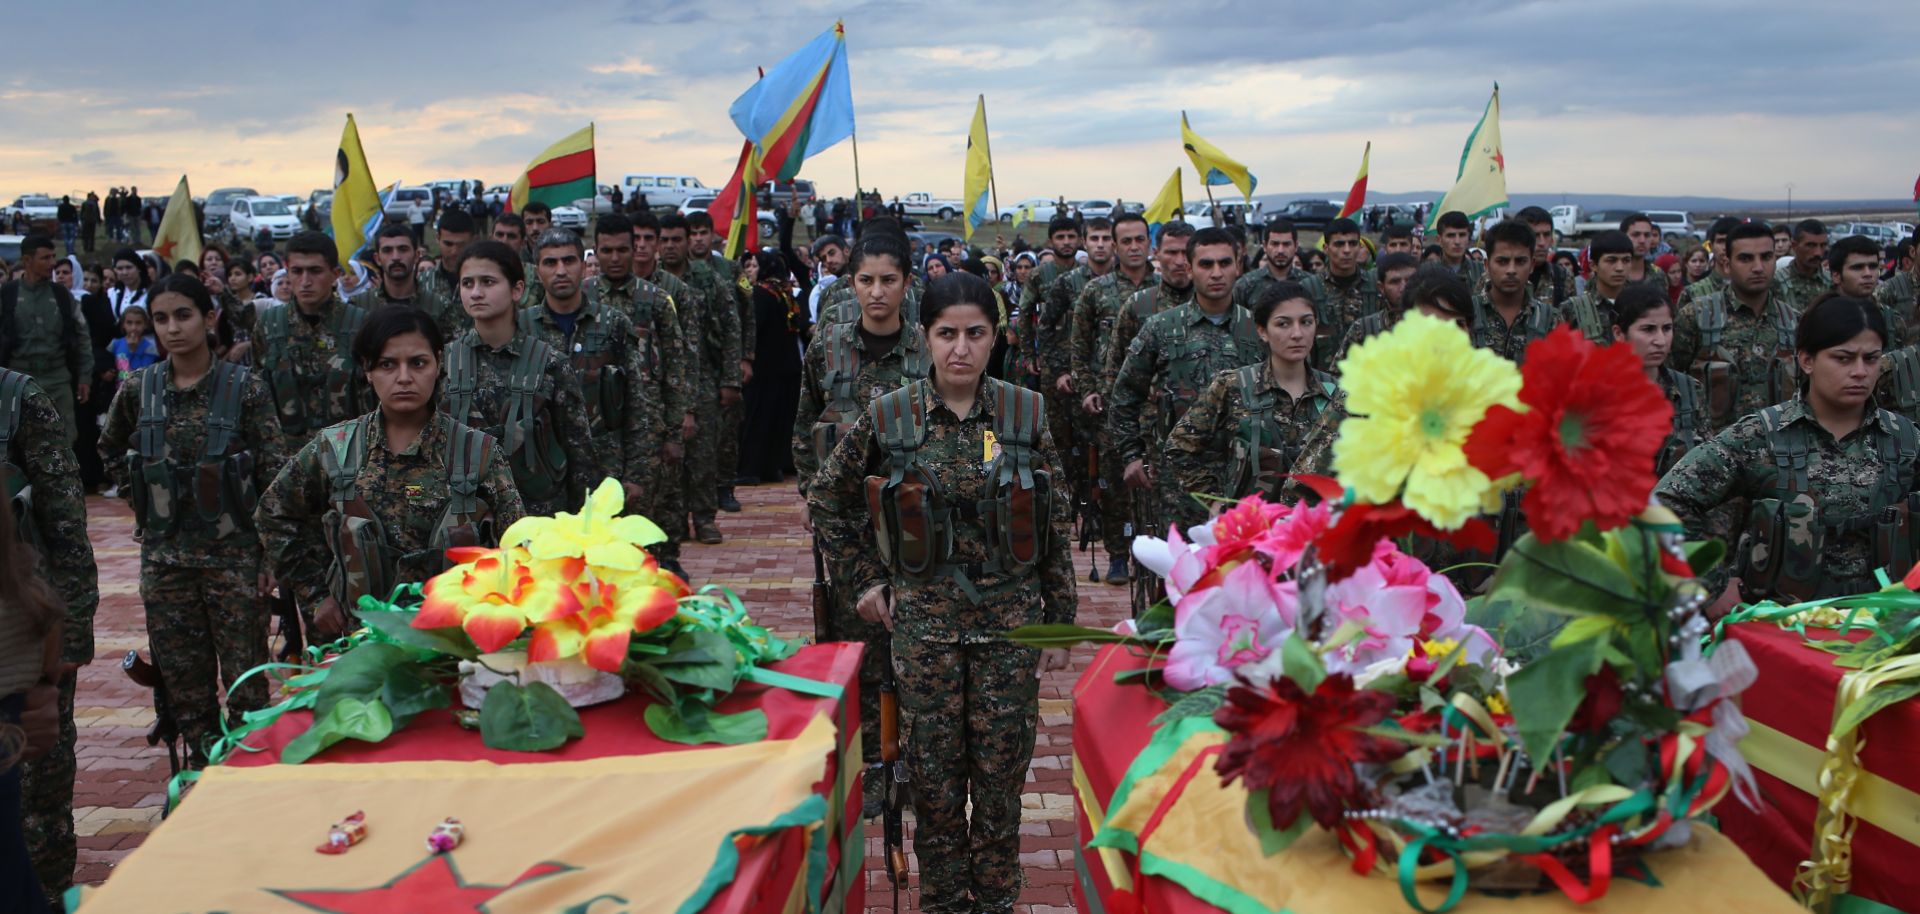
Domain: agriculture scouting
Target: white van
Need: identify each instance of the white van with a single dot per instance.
(664, 189)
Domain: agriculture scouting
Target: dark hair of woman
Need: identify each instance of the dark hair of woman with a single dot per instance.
(1273, 296)
(954, 290)
(498, 254)
(385, 324)
(183, 284)
(1834, 319)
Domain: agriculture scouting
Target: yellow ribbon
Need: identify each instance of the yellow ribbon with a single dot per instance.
(1830, 872)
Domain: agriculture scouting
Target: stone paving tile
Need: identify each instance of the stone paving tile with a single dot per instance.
(122, 782)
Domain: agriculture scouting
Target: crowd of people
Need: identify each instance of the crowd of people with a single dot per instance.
(295, 431)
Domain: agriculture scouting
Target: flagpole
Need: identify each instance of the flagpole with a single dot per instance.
(992, 191)
(858, 194)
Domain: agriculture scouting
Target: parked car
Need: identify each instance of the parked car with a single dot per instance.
(219, 202)
(1674, 224)
(1881, 234)
(246, 216)
(782, 192)
(322, 200)
(10, 247)
(925, 204)
(664, 189)
(1094, 209)
(35, 207)
(1306, 215)
(570, 217)
(769, 223)
(1043, 208)
(1131, 207)
(401, 204)
(495, 197)
(449, 189)
(1902, 229)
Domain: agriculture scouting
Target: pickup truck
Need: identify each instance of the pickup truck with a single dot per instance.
(922, 204)
(1571, 221)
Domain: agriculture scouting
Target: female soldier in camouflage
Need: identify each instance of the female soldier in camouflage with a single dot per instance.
(515, 387)
(374, 502)
(191, 440)
(1643, 319)
(969, 538)
(1243, 435)
(1829, 475)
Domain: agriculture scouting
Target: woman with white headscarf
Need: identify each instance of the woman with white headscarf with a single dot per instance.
(130, 281)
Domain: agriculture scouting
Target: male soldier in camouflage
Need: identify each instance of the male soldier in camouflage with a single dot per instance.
(397, 260)
(1056, 353)
(1804, 278)
(725, 279)
(42, 333)
(1063, 236)
(515, 387)
(191, 440)
(1392, 273)
(846, 366)
(1550, 282)
(1505, 318)
(1283, 241)
(719, 376)
(1455, 233)
(1591, 312)
(1645, 238)
(671, 495)
(1901, 293)
(39, 466)
(1854, 263)
(1716, 278)
(1094, 313)
(1174, 289)
(439, 281)
(1344, 296)
(1171, 362)
(1398, 239)
(598, 341)
(1830, 478)
(514, 230)
(969, 699)
(1739, 343)
(303, 349)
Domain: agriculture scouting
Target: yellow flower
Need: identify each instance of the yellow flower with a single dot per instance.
(598, 534)
(1415, 392)
(1497, 704)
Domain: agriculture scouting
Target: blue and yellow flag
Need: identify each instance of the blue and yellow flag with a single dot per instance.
(979, 176)
(1215, 167)
(1166, 207)
(356, 204)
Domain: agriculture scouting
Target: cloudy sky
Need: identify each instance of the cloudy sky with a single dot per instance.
(1704, 97)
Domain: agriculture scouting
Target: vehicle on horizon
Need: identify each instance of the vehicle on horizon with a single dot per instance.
(247, 216)
(35, 207)
(570, 217)
(1881, 234)
(10, 247)
(322, 200)
(400, 205)
(1674, 225)
(663, 189)
(1306, 215)
(768, 222)
(1042, 211)
(925, 204)
(770, 193)
(1094, 209)
(601, 203)
(218, 203)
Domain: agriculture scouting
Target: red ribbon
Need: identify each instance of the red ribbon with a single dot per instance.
(1359, 841)
(1130, 902)
(1599, 868)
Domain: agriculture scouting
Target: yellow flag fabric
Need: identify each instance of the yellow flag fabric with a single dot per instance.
(1213, 166)
(1023, 215)
(1167, 206)
(356, 203)
(548, 836)
(178, 237)
(979, 176)
(1480, 187)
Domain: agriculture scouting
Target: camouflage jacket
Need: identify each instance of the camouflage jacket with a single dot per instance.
(1338, 305)
(1169, 364)
(195, 545)
(310, 374)
(1471, 270)
(1550, 283)
(723, 299)
(712, 332)
(1094, 314)
(561, 409)
(1690, 425)
(1800, 289)
(38, 448)
(438, 294)
(1316, 449)
(952, 453)
(1246, 289)
(1744, 359)
(407, 491)
(727, 276)
(1217, 439)
(656, 321)
(1846, 479)
(823, 417)
(41, 332)
(1030, 330)
(1056, 321)
(1490, 331)
(619, 375)
(1898, 295)
(1133, 315)
(1590, 314)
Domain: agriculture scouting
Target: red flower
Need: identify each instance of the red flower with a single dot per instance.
(1301, 748)
(1602, 703)
(1587, 440)
(1348, 545)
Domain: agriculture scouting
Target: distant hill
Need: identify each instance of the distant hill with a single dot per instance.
(1698, 206)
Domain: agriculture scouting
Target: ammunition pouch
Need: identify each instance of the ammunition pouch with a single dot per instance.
(911, 522)
(1780, 550)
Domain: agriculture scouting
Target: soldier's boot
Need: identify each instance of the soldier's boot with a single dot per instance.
(706, 531)
(728, 503)
(1118, 571)
(673, 565)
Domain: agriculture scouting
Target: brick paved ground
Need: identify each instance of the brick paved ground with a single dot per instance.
(765, 558)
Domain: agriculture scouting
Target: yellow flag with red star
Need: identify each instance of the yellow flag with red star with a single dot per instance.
(179, 235)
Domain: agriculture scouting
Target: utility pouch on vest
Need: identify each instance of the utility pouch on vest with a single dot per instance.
(1780, 552)
(359, 568)
(18, 489)
(1893, 537)
(825, 436)
(20, 497)
(1717, 377)
(910, 523)
(1017, 521)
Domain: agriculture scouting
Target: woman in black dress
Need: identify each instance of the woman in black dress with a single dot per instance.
(773, 396)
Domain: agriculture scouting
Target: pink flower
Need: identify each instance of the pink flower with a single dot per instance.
(1298, 528)
(1389, 613)
(1244, 620)
(1446, 621)
(1173, 559)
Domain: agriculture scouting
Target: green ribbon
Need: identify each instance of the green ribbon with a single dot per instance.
(1410, 861)
(792, 683)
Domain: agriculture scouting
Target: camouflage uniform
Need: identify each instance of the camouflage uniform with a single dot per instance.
(838, 305)
(716, 340)
(1126, 325)
(1029, 330)
(1745, 360)
(48, 341)
(1690, 427)
(1242, 436)
(1590, 314)
(1337, 305)
(407, 492)
(1246, 289)
(1169, 365)
(656, 321)
(616, 382)
(1653, 277)
(439, 295)
(726, 283)
(1491, 331)
(199, 563)
(1055, 339)
(1471, 270)
(968, 698)
(1551, 283)
(308, 366)
(36, 454)
(1800, 289)
(672, 499)
(1376, 323)
(1094, 314)
(1816, 526)
(556, 426)
(1898, 295)
(1316, 449)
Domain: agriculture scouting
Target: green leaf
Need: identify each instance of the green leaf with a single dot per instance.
(359, 673)
(1857, 712)
(531, 718)
(1570, 577)
(1627, 763)
(650, 679)
(1585, 628)
(1260, 817)
(1590, 776)
(727, 729)
(398, 625)
(1704, 555)
(1545, 693)
(1524, 635)
(704, 660)
(1301, 664)
(1402, 735)
(410, 691)
(350, 718)
(1193, 704)
(1156, 621)
(1057, 635)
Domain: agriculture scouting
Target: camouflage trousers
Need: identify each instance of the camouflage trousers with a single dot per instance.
(46, 804)
(1116, 532)
(727, 446)
(60, 389)
(205, 627)
(1063, 419)
(665, 502)
(969, 714)
(699, 473)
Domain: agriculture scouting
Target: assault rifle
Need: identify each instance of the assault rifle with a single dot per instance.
(893, 769)
(165, 728)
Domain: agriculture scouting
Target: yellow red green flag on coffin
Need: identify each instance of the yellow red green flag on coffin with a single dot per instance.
(560, 175)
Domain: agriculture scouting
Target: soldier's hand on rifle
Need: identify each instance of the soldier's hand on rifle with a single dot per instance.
(686, 427)
(41, 720)
(632, 490)
(876, 606)
(1051, 658)
(1138, 476)
(1063, 384)
(264, 582)
(729, 396)
(329, 621)
(1093, 404)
